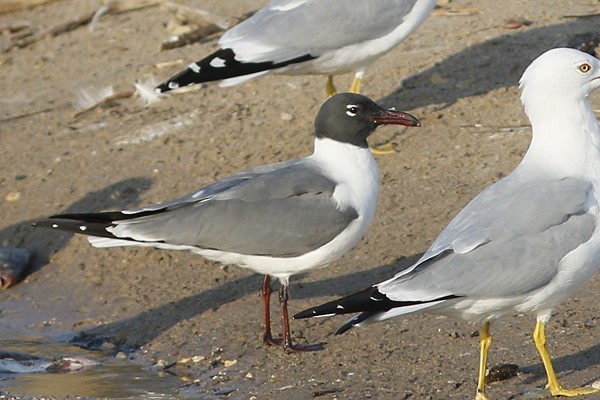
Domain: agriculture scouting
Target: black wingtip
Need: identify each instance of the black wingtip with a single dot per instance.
(219, 66)
(352, 322)
(162, 88)
(181, 79)
(367, 300)
(93, 224)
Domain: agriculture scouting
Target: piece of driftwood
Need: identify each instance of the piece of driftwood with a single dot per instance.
(189, 37)
(8, 6)
(27, 114)
(17, 26)
(109, 7)
(121, 6)
(55, 30)
(207, 24)
(198, 17)
(116, 96)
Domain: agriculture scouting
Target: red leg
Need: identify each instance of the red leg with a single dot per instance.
(266, 296)
(288, 345)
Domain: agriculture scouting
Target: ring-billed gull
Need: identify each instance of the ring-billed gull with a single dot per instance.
(279, 219)
(524, 244)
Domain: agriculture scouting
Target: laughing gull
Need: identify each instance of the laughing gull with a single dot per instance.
(277, 220)
(328, 37)
(524, 244)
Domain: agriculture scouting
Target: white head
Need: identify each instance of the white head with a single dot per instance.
(565, 135)
(557, 75)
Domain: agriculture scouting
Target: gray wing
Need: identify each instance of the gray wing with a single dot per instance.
(287, 29)
(282, 212)
(219, 187)
(509, 240)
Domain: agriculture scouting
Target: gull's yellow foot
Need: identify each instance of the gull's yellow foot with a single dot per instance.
(355, 87)
(330, 87)
(559, 391)
(481, 396)
(539, 337)
(386, 148)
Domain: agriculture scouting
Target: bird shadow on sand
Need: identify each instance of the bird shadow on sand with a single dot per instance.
(484, 67)
(42, 245)
(130, 334)
(563, 365)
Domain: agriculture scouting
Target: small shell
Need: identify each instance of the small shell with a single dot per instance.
(516, 23)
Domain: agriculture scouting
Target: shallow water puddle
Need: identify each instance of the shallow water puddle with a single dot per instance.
(105, 381)
(111, 378)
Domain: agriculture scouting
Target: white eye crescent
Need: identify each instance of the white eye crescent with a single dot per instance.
(352, 110)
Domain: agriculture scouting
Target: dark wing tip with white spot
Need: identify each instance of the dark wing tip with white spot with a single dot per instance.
(219, 66)
(368, 302)
(93, 224)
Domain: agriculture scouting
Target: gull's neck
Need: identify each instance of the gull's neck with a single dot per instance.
(343, 159)
(565, 137)
(354, 170)
(352, 167)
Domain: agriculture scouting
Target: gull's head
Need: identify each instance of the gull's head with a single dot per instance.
(351, 118)
(559, 73)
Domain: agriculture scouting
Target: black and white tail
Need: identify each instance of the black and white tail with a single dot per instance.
(371, 303)
(222, 66)
(92, 224)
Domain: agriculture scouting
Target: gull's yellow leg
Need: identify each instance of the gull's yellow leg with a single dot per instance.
(330, 87)
(539, 337)
(355, 87)
(485, 341)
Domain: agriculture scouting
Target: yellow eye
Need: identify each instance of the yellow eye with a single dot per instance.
(585, 68)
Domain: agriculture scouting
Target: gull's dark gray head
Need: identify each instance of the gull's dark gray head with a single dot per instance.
(351, 118)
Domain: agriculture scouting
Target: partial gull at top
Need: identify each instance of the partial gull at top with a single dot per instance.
(325, 37)
(524, 244)
(279, 219)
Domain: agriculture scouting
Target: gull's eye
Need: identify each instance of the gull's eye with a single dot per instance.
(585, 68)
(352, 110)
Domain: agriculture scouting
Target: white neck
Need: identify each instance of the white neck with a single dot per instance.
(354, 168)
(339, 158)
(566, 137)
